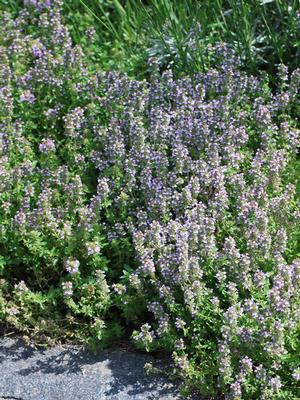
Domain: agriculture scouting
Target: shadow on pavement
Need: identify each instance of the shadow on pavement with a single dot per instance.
(115, 371)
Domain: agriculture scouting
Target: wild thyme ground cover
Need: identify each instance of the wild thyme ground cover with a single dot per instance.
(167, 207)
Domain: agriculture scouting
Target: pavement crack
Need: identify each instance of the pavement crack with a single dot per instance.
(10, 398)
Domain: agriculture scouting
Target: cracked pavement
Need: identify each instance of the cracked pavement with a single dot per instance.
(72, 373)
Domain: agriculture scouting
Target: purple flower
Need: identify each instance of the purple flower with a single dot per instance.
(46, 146)
(27, 97)
(275, 383)
(20, 218)
(67, 288)
(180, 323)
(90, 33)
(146, 335)
(21, 287)
(72, 266)
(179, 344)
(92, 248)
(79, 158)
(236, 390)
(296, 374)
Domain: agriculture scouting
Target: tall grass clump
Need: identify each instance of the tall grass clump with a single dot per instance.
(180, 33)
(166, 208)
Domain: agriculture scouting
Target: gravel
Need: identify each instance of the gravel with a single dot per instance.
(72, 373)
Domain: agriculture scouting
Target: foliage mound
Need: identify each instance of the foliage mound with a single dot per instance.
(167, 208)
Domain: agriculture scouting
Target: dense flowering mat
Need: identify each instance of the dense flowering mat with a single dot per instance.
(165, 207)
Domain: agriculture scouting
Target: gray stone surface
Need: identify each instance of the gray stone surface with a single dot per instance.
(72, 373)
